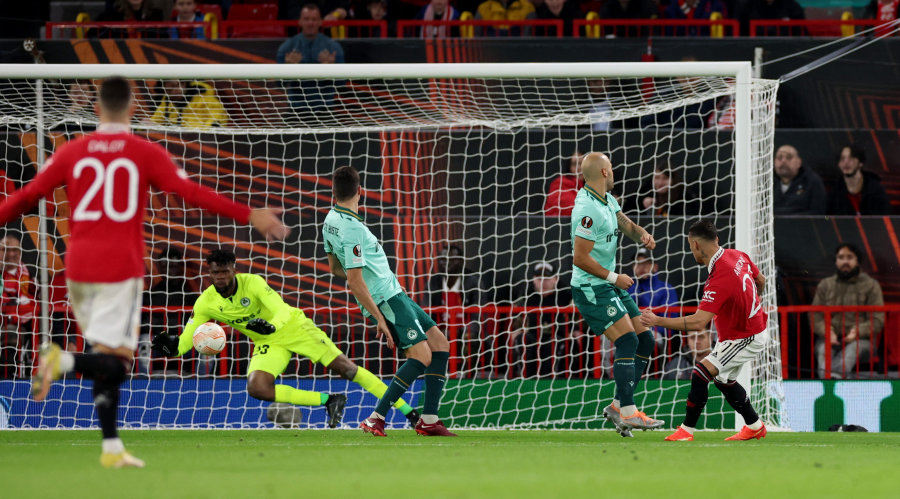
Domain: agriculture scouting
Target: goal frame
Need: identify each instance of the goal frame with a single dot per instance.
(739, 70)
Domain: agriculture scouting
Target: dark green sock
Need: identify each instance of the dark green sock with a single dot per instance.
(642, 355)
(408, 372)
(435, 376)
(623, 368)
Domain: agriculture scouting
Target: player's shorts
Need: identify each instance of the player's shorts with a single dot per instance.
(273, 355)
(406, 320)
(730, 355)
(602, 305)
(108, 313)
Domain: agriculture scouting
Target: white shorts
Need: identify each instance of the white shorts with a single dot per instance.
(108, 313)
(730, 355)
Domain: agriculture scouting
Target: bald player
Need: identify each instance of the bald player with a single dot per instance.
(600, 293)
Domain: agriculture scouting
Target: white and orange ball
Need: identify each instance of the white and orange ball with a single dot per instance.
(209, 338)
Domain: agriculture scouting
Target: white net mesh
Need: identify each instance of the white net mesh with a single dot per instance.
(457, 175)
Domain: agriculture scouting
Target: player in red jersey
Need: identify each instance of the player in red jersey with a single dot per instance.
(730, 295)
(108, 175)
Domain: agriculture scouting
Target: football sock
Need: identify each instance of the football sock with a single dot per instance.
(408, 372)
(688, 429)
(99, 367)
(623, 369)
(113, 446)
(291, 395)
(375, 386)
(698, 395)
(642, 355)
(106, 403)
(435, 377)
(737, 397)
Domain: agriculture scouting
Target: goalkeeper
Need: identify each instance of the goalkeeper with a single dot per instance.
(248, 304)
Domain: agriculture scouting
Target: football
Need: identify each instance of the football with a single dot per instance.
(209, 338)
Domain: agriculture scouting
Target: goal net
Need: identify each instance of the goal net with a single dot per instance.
(468, 173)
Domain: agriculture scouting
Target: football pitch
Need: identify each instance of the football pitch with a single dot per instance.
(533, 463)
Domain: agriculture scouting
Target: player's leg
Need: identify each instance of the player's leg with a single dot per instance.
(730, 364)
(435, 378)
(347, 369)
(410, 338)
(704, 372)
(644, 336)
(112, 335)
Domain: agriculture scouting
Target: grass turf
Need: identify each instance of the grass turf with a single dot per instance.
(345, 463)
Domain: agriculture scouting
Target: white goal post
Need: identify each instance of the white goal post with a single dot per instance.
(455, 144)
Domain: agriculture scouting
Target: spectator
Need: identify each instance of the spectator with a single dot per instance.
(310, 47)
(776, 10)
(627, 9)
(194, 105)
(850, 333)
(694, 10)
(857, 192)
(172, 289)
(131, 11)
(81, 97)
(377, 10)
(504, 10)
(563, 189)
(649, 290)
(452, 284)
(884, 11)
(564, 10)
(668, 194)
(680, 366)
(186, 12)
(438, 10)
(722, 115)
(540, 339)
(17, 307)
(798, 190)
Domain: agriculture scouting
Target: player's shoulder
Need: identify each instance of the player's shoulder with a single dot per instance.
(250, 279)
(206, 297)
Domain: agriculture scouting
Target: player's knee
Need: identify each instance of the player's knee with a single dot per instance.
(261, 391)
(701, 374)
(645, 343)
(423, 355)
(438, 343)
(344, 368)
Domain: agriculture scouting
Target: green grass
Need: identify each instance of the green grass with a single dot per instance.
(336, 464)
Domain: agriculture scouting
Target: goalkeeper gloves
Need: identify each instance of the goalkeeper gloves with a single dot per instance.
(260, 326)
(166, 344)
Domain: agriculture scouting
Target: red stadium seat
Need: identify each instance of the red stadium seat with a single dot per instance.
(261, 12)
(211, 8)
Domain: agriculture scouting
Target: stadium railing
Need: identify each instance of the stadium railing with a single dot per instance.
(798, 342)
(601, 28)
(485, 350)
(212, 29)
(123, 29)
(467, 28)
(818, 27)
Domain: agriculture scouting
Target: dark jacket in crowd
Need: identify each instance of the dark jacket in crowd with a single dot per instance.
(570, 11)
(874, 198)
(805, 195)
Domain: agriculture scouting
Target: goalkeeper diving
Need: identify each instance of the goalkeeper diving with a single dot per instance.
(278, 331)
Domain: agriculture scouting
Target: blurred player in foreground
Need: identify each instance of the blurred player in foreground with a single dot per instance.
(600, 294)
(278, 331)
(730, 295)
(108, 175)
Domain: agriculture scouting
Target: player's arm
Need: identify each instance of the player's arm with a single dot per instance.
(335, 265)
(758, 276)
(360, 291)
(584, 261)
(281, 311)
(50, 177)
(694, 322)
(634, 231)
(166, 176)
(170, 345)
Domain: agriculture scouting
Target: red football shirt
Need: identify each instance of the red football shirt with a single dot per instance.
(730, 293)
(108, 175)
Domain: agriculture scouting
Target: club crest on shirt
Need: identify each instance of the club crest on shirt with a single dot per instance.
(411, 334)
(357, 250)
(611, 311)
(245, 302)
(586, 222)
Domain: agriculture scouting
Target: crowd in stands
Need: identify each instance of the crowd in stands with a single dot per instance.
(567, 11)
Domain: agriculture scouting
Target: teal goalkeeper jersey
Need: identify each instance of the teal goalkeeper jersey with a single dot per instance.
(354, 245)
(594, 219)
(253, 298)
